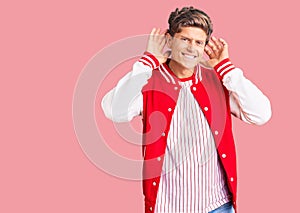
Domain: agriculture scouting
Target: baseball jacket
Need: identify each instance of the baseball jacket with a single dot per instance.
(151, 90)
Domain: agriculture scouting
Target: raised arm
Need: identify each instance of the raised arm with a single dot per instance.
(125, 101)
(247, 102)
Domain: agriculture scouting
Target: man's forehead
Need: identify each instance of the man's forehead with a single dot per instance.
(195, 33)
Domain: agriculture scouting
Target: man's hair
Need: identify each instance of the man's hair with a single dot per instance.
(189, 17)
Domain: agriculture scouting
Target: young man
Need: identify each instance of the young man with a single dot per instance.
(189, 152)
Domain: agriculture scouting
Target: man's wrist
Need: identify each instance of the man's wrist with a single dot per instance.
(224, 67)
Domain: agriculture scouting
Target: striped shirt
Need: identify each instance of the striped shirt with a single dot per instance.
(192, 178)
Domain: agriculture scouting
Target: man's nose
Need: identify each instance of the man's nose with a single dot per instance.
(191, 46)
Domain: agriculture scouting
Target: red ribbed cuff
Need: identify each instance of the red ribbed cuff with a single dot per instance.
(149, 60)
(224, 67)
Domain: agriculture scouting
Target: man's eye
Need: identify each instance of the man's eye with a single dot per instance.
(184, 39)
(200, 42)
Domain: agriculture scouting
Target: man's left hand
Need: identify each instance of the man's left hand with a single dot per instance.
(217, 50)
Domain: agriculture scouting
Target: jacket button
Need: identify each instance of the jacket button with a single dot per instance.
(216, 132)
(170, 109)
(223, 155)
(163, 134)
(176, 88)
(205, 108)
(159, 158)
(154, 183)
(150, 208)
(232, 179)
(194, 88)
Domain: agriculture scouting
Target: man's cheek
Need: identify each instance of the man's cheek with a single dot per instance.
(200, 55)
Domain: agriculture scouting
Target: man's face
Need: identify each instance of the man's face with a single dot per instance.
(187, 46)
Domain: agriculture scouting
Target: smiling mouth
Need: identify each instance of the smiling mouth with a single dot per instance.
(189, 56)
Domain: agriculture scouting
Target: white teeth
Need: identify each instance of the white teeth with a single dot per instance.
(189, 56)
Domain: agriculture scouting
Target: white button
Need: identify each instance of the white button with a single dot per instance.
(232, 179)
(194, 88)
(169, 109)
(154, 183)
(150, 208)
(223, 155)
(159, 158)
(176, 88)
(163, 134)
(216, 132)
(205, 108)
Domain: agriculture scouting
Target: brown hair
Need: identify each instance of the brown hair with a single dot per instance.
(189, 17)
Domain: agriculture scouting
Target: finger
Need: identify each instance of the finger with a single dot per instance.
(217, 43)
(156, 34)
(163, 33)
(224, 43)
(212, 46)
(163, 40)
(153, 31)
(163, 36)
(209, 52)
(160, 37)
(157, 31)
(216, 46)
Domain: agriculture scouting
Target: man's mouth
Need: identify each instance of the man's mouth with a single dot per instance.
(189, 56)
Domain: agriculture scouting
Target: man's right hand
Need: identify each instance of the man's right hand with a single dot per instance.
(156, 43)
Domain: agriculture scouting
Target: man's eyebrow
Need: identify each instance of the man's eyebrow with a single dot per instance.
(182, 36)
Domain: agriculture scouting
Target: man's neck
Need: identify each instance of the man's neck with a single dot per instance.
(179, 70)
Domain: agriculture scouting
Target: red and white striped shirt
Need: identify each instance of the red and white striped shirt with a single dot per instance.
(192, 179)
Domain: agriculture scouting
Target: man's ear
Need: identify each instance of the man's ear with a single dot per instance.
(169, 40)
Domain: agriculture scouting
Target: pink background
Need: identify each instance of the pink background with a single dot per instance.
(43, 49)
